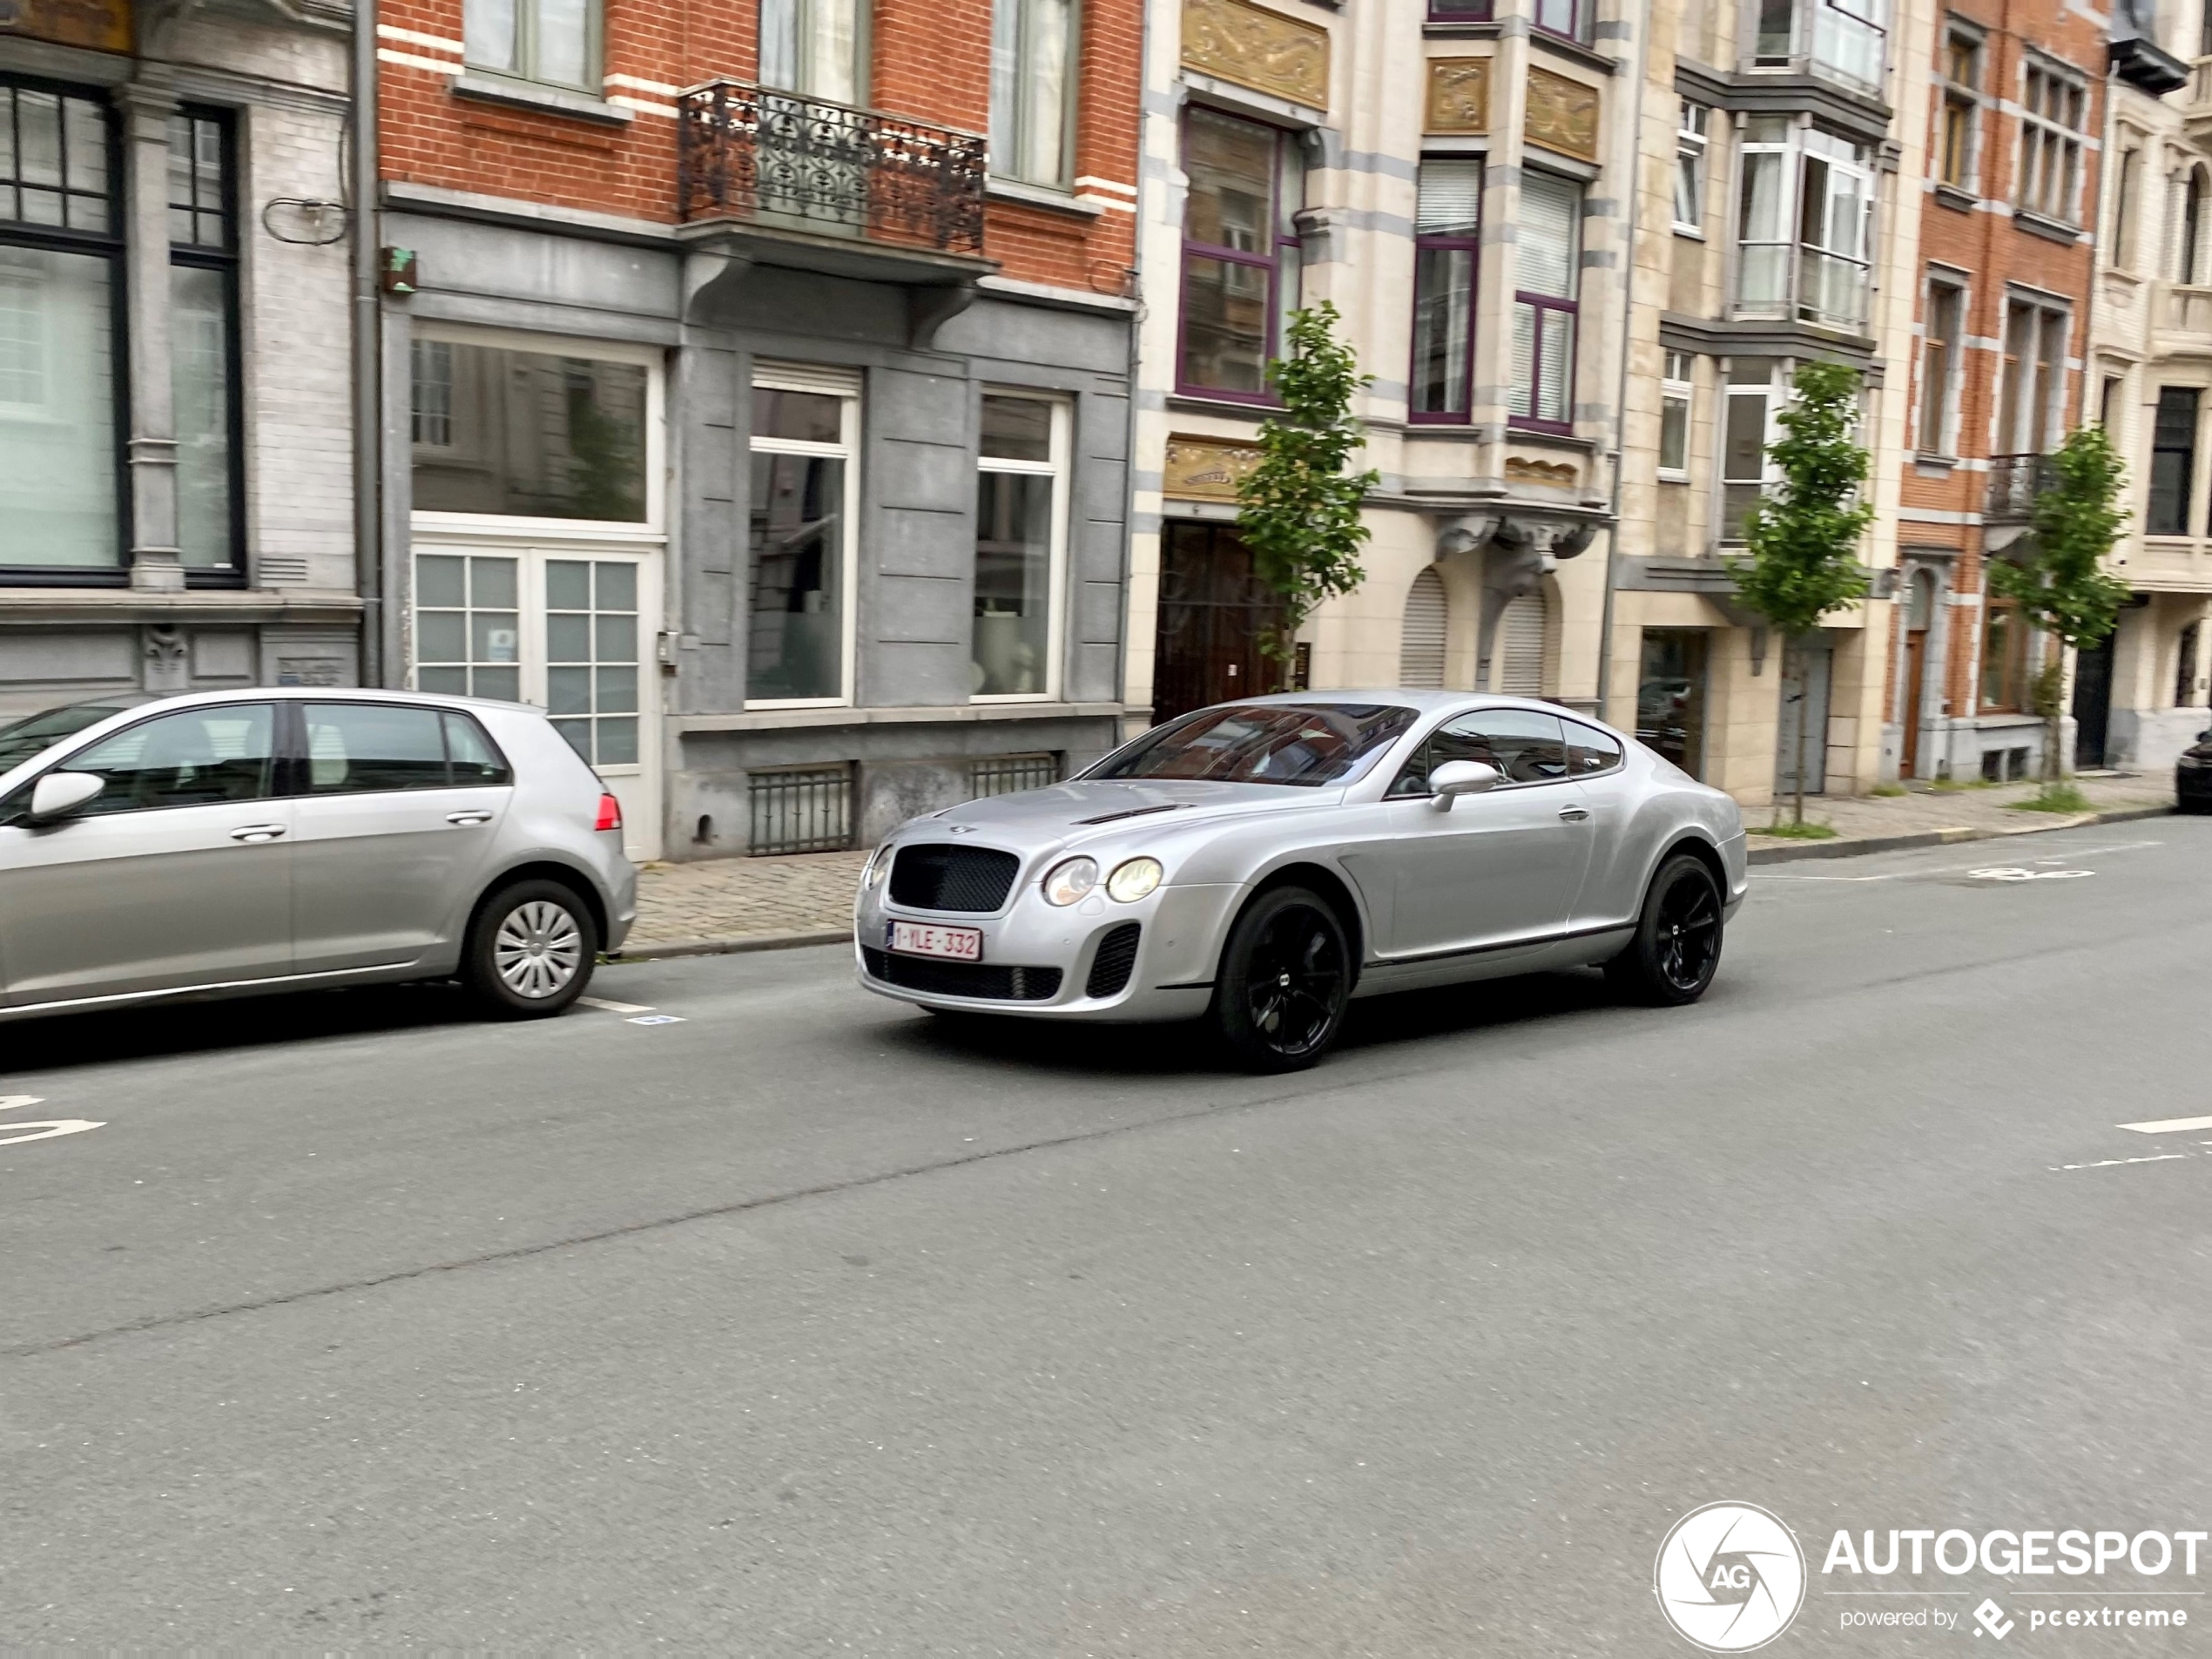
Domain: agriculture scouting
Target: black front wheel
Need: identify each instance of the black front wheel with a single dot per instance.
(1285, 980)
(1677, 943)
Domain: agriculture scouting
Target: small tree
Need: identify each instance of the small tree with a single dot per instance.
(2057, 576)
(1299, 508)
(1801, 536)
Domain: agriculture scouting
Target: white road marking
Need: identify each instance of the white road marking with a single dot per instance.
(47, 1131)
(659, 1019)
(1956, 869)
(614, 1008)
(9, 1102)
(2107, 1164)
(2168, 1125)
(2007, 873)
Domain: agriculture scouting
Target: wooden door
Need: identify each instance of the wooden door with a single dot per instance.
(1213, 613)
(1916, 654)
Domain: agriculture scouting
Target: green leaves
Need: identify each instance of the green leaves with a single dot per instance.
(1298, 510)
(2058, 576)
(1801, 539)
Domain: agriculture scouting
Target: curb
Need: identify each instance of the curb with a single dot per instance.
(733, 945)
(1786, 853)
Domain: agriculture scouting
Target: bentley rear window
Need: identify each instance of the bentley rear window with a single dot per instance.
(1264, 743)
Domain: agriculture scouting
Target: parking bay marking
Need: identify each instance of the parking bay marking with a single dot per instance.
(614, 1008)
(17, 1133)
(2168, 1125)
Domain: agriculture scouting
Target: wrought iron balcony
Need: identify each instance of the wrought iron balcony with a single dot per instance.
(777, 159)
(2014, 483)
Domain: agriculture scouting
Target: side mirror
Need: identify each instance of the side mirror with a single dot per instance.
(59, 794)
(1457, 777)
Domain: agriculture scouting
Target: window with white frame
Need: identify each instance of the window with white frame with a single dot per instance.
(1677, 396)
(2054, 106)
(1805, 224)
(1690, 146)
(553, 41)
(1842, 40)
(1020, 544)
(798, 572)
(1941, 346)
(1033, 87)
(1748, 402)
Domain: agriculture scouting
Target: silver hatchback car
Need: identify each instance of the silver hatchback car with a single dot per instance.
(234, 842)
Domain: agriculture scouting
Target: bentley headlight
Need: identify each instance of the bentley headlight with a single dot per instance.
(878, 870)
(1070, 881)
(1132, 881)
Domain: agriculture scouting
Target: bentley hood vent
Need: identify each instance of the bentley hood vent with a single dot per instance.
(1132, 811)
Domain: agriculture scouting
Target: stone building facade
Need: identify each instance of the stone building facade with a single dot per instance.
(175, 435)
(2140, 698)
(1454, 179)
(759, 395)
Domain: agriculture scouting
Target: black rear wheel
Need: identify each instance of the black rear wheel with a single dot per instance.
(1285, 980)
(1678, 944)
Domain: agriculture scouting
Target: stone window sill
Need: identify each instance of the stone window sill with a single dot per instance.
(543, 100)
(998, 189)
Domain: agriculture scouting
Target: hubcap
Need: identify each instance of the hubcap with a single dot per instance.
(1689, 932)
(1297, 981)
(538, 949)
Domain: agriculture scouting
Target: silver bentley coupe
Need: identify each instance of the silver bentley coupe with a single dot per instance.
(1261, 863)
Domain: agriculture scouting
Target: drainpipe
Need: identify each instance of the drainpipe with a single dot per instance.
(1620, 396)
(1136, 380)
(367, 350)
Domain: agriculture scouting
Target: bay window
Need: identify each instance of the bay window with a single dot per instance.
(1805, 224)
(1677, 396)
(1691, 144)
(1544, 308)
(1032, 84)
(1240, 264)
(1844, 40)
(1447, 250)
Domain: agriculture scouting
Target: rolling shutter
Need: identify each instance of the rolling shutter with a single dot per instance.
(1520, 647)
(1420, 649)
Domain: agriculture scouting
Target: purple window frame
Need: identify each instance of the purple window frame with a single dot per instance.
(1544, 302)
(1271, 261)
(1463, 11)
(1578, 14)
(1471, 246)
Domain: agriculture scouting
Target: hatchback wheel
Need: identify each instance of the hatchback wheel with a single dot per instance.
(1285, 978)
(1678, 944)
(532, 950)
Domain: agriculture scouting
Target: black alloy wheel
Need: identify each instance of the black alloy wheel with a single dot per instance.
(1678, 944)
(1285, 980)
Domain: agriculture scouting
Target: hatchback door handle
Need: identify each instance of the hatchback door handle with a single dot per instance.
(472, 817)
(257, 833)
(1574, 814)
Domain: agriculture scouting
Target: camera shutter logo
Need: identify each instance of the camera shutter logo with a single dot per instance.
(1729, 1577)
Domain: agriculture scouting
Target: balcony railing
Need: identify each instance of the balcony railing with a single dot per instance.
(753, 152)
(2014, 483)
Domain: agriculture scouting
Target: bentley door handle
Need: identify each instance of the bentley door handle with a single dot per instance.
(468, 818)
(257, 833)
(1572, 814)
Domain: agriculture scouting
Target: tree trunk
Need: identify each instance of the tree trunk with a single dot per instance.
(1803, 664)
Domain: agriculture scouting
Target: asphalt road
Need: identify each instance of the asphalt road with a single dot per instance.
(807, 1326)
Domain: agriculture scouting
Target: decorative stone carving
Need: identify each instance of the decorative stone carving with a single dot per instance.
(1206, 468)
(99, 25)
(1459, 95)
(1562, 115)
(164, 650)
(1553, 475)
(1257, 48)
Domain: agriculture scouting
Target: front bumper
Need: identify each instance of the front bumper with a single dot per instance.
(1180, 930)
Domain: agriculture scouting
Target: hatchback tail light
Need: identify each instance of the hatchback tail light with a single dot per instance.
(610, 814)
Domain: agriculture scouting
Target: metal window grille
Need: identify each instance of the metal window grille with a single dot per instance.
(1004, 774)
(803, 809)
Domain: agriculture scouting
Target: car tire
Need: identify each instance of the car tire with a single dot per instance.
(531, 951)
(1678, 944)
(1285, 980)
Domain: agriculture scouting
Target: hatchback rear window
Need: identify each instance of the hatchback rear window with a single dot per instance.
(1303, 746)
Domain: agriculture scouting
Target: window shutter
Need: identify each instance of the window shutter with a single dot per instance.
(1451, 199)
(1421, 648)
(1524, 358)
(1551, 218)
(1520, 647)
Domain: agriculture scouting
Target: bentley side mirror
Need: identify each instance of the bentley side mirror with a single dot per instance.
(1457, 777)
(60, 794)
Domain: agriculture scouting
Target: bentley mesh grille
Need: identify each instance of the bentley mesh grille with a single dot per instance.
(987, 981)
(936, 876)
(1110, 968)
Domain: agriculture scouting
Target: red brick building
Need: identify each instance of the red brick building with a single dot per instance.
(2007, 224)
(758, 391)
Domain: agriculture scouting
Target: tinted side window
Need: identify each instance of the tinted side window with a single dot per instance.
(475, 760)
(196, 758)
(1590, 750)
(357, 748)
(1527, 747)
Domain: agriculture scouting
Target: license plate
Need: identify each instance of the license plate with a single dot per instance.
(919, 938)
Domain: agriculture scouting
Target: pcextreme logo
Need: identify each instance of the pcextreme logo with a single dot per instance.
(1729, 1577)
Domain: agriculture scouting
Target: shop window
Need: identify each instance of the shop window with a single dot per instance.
(1548, 269)
(1240, 258)
(805, 439)
(1021, 493)
(61, 345)
(1447, 252)
(526, 434)
(1670, 695)
(1033, 88)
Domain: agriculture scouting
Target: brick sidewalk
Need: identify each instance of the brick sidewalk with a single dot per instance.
(808, 894)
